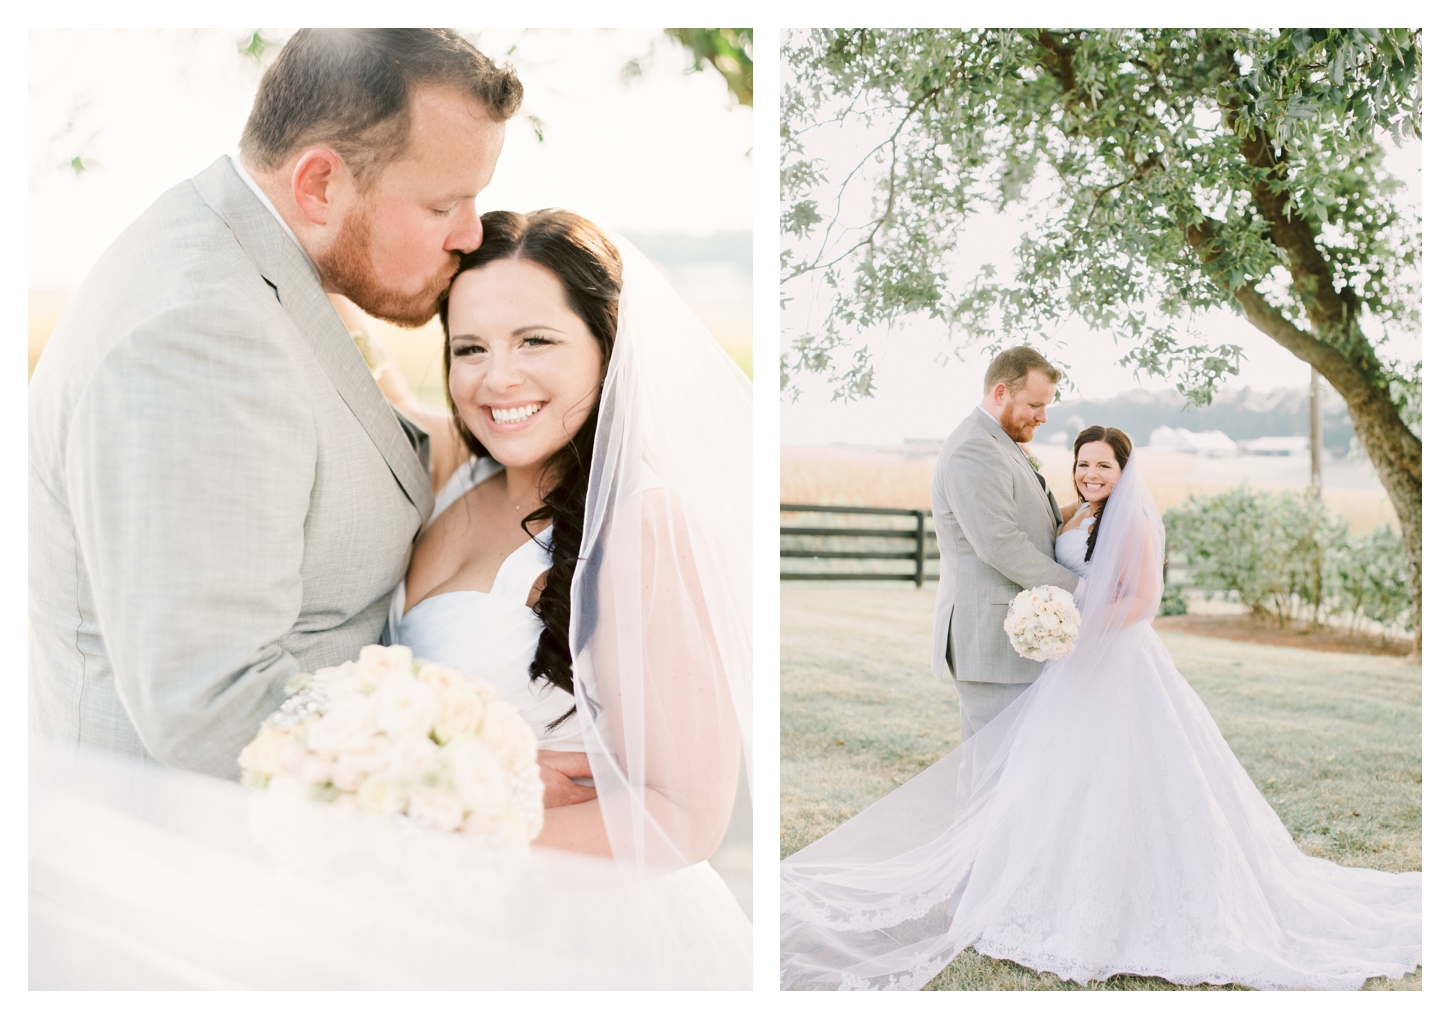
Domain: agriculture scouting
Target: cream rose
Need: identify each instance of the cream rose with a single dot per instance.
(340, 680)
(264, 754)
(508, 734)
(380, 795)
(412, 757)
(376, 657)
(440, 678)
(406, 706)
(348, 772)
(437, 808)
(348, 718)
(460, 715)
(315, 770)
(481, 783)
(369, 752)
(290, 756)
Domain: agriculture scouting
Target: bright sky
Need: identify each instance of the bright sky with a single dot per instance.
(923, 391)
(666, 153)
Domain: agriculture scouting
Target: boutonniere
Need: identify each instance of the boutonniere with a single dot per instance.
(1036, 463)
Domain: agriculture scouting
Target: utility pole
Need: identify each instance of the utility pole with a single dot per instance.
(1316, 436)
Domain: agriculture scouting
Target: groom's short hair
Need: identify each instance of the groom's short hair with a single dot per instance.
(351, 90)
(1012, 365)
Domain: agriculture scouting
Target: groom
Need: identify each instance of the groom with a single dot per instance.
(996, 525)
(220, 497)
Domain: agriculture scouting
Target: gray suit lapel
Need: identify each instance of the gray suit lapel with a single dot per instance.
(994, 429)
(290, 273)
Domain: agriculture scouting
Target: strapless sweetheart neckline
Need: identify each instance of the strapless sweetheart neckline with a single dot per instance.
(503, 570)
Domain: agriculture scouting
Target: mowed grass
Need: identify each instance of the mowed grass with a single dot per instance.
(1332, 740)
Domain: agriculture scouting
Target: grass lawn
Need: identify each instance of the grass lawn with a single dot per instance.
(1332, 740)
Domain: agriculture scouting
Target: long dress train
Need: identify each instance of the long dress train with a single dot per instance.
(1099, 825)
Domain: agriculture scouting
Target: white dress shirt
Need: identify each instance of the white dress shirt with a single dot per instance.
(267, 202)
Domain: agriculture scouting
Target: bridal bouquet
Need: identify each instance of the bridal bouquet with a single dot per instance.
(389, 735)
(1042, 623)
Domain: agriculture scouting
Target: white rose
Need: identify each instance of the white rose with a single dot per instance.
(348, 718)
(376, 656)
(340, 680)
(460, 715)
(478, 776)
(437, 808)
(380, 795)
(477, 824)
(507, 734)
(288, 785)
(412, 756)
(368, 752)
(348, 772)
(315, 770)
(290, 757)
(440, 677)
(406, 706)
(264, 754)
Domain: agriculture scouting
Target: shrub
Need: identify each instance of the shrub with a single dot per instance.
(1287, 556)
(1371, 579)
(1173, 603)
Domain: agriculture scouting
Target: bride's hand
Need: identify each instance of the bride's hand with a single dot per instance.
(558, 771)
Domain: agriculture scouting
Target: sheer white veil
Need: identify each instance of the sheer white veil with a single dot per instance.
(660, 605)
(887, 899)
(1124, 583)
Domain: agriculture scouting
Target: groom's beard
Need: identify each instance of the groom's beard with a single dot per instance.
(1018, 429)
(348, 267)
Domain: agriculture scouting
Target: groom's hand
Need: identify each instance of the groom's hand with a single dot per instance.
(558, 771)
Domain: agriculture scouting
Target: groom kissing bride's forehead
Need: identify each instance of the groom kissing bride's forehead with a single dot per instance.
(220, 496)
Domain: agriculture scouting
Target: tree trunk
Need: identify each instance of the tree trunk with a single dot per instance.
(1316, 437)
(1394, 450)
(1336, 347)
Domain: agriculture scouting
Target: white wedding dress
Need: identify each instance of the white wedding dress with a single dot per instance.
(1099, 825)
(491, 634)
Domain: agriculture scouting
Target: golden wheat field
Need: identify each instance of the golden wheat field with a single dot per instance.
(901, 478)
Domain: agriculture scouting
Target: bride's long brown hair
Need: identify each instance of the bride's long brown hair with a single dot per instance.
(1122, 446)
(590, 268)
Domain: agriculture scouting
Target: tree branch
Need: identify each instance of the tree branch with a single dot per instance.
(1330, 311)
(881, 220)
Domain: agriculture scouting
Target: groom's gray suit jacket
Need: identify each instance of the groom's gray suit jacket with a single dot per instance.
(996, 526)
(219, 494)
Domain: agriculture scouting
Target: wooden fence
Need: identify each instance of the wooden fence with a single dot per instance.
(874, 548)
(815, 537)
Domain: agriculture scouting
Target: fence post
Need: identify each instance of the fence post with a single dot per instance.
(920, 546)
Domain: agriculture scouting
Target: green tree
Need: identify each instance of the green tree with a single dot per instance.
(1190, 168)
(728, 50)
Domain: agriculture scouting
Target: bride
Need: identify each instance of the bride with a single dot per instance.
(1099, 825)
(590, 558)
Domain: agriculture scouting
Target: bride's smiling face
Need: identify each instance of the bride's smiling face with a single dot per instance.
(1096, 471)
(525, 369)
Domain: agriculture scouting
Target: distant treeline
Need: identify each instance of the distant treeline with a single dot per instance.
(675, 249)
(1240, 414)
